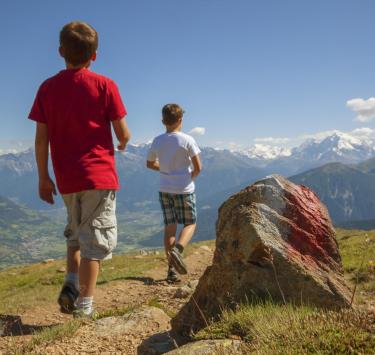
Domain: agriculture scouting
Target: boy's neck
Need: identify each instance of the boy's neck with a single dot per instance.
(174, 128)
(80, 66)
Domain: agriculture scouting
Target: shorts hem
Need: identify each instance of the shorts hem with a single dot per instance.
(96, 257)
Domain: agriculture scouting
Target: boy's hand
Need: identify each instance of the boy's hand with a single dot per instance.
(46, 190)
(197, 166)
(121, 146)
(122, 133)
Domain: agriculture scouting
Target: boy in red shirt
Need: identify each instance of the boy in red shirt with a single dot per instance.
(74, 111)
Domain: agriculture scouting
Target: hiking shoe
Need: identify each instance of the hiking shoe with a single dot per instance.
(172, 276)
(177, 261)
(79, 313)
(68, 296)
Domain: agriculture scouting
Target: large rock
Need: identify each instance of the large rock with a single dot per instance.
(274, 240)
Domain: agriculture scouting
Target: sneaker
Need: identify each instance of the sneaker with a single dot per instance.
(177, 261)
(172, 276)
(68, 296)
(79, 313)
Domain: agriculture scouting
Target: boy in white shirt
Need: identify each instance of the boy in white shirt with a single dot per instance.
(176, 156)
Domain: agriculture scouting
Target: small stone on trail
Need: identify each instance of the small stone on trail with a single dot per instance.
(183, 292)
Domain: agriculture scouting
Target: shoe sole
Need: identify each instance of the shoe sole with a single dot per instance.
(178, 263)
(173, 280)
(66, 304)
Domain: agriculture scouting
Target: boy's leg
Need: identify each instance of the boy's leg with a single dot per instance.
(73, 259)
(185, 207)
(97, 238)
(170, 229)
(88, 274)
(69, 291)
(169, 238)
(186, 234)
(169, 242)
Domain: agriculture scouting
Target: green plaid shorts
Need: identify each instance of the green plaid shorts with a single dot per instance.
(178, 208)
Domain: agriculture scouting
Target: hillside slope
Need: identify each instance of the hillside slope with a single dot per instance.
(348, 192)
(129, 282)
(26, 235)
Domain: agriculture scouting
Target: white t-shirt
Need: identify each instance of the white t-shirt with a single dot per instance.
(174, 152)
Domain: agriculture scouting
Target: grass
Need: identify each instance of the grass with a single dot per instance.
(25, 287)
(48, 335)
(267, 328)
(357, 250)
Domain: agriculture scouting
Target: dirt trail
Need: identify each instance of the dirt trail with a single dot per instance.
(149, 289)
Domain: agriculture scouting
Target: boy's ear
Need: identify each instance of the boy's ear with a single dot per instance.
(61, 52)
(93, 58)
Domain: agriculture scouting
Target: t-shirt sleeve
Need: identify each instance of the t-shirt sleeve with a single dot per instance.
(116, 108)
(193, 148)
(37, 113)
(152, 152)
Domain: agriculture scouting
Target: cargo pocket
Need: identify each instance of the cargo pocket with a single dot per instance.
(105, 232)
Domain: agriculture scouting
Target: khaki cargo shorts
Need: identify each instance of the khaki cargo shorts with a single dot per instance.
(92, 224)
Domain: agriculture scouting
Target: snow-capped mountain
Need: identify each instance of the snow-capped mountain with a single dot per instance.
(223, 169)
(264, 152)
(337, 147)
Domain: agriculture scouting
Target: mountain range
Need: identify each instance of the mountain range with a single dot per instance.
(338, 168)
(223, 168)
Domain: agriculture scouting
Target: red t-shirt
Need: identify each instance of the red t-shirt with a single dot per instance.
(77, 105)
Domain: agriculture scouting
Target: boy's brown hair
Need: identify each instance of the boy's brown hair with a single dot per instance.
(171, 114)
(79, 41)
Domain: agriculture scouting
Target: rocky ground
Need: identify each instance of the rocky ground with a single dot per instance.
(147, 303)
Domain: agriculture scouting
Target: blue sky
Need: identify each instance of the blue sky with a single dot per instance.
(242, 69)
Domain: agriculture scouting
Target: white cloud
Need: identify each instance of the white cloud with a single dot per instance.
(365, 109)
(197, 131)
(317, 136)
(14, 146)
(363, 132)
(272, 140)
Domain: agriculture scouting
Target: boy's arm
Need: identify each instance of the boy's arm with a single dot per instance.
(154, 165)
(197, 166)
(46, 186)
(122, 133)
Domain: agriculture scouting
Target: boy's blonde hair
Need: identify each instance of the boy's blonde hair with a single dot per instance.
(79, 41)
(172, 113)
